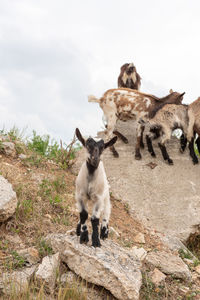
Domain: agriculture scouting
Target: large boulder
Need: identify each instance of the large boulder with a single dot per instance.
(110, 266)
(166, 198)
(8, 199)
(169, 264)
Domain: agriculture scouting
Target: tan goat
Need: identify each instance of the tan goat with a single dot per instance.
(125, 104)
(167, 119)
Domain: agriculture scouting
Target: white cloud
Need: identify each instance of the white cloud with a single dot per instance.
(53, 54)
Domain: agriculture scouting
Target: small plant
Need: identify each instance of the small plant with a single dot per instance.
(44, 249)
(127, 208)
(185, 254)
(17, 262)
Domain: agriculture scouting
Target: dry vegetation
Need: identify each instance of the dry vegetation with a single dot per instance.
(45, 185)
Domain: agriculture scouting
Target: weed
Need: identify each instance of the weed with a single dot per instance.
(17, 261)
(44, 249)
(185, 254)
(127, 208)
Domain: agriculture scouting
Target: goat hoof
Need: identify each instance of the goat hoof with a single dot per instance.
(116, 154)
(142, 145)
(170, 161)
(195, 162)
(181, 150)
(84, 237)
(125, 140)
(138, 156)
(96, 243)
(153, 154)
(104, 232)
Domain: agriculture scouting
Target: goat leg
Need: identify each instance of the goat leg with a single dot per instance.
(165, 154)
(192, 152)
(95, 232)
(114, 151)
(198, 143)
(121, 136)
(81, 229)
(150, 146)
(183, 142)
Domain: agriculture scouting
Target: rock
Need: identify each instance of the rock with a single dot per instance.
(157, 277)
(22, 156)
(68, 277)
(9, 148)
(155, 195)
(8, 199)
(139, 238)
(140, 253)
(17, 281)
(197, 269)
(110, 266)
(169, 264)
(31, 255)
(47, 270)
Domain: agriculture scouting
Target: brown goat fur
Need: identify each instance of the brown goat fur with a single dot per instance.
(168, 118)
(125, 104)
(129, 78)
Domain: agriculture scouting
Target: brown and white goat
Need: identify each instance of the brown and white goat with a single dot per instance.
(125, 104)
(92, 185)
(166, 119)
(128, 77)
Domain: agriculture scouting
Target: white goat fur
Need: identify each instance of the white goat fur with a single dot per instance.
(96, 189)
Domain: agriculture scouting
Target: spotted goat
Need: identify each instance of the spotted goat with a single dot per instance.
(126, 104)
(92, 185)
(166, 119)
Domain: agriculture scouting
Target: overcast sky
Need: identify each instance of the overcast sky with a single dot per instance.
(53, 54)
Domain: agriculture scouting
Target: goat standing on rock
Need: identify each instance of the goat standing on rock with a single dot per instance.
(92, 185)
(126, 104)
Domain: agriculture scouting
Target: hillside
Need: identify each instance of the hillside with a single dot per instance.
(140, 212)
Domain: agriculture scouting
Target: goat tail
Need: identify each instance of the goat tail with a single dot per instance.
(92, 98)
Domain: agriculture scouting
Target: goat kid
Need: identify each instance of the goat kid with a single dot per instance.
(128, 77)
(167, 119)
(125, 104)
(195, 108)
(92, 185)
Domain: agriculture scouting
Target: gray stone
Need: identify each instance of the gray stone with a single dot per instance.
(8, 199)
(110, 266)
(140, 253)
(166, 198)
(9, 148)
(22, 156)
(17, 281)
(169, 264)
(31, 255)
(157, 277)
(47, 270)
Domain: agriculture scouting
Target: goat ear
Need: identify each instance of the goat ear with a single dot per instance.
(171, 91)
(79, 136)
(111, 142)
(181, 95)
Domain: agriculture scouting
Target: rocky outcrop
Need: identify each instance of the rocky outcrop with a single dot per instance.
(169, 264)
(8, 199)
(8, 148)
(47, 270)
(110, 266)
